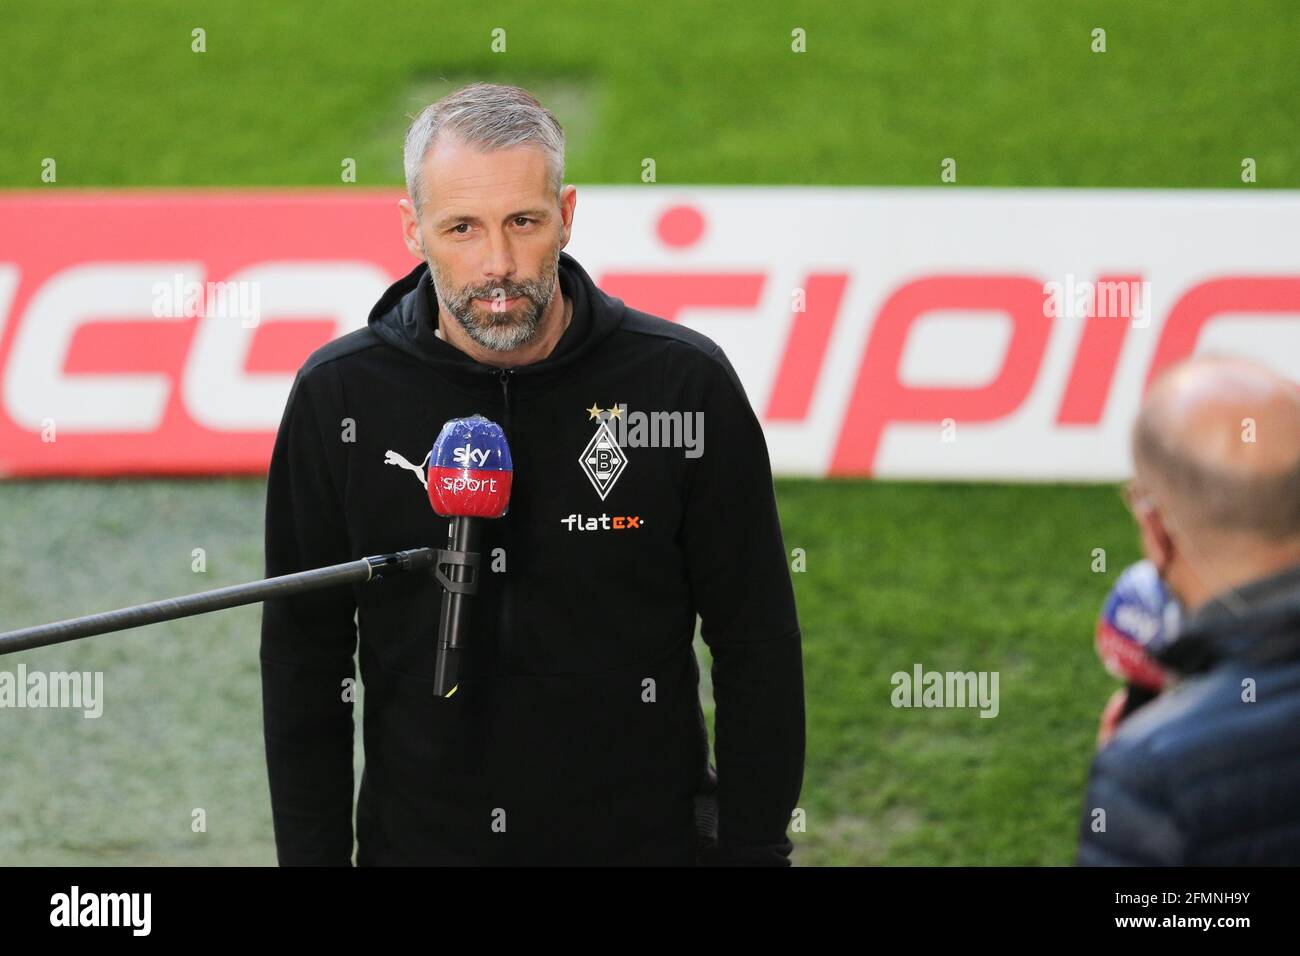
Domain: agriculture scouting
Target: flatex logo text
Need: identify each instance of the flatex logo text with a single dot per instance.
(602, 523)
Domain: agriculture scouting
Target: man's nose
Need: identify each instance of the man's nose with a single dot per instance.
(500, 261)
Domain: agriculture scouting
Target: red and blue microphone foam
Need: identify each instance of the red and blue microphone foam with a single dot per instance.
(470, 471)
(1139, 619)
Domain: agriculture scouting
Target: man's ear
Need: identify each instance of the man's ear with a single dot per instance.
(411, 230)
(568, 200)
(1157, 545)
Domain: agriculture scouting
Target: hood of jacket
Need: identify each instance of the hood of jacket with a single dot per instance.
(406, 317)
(1258, 623)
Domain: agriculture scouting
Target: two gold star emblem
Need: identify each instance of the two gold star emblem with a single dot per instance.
(595, 411)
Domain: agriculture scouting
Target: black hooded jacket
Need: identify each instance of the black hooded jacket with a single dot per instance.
(1209, 772)
(577, 735)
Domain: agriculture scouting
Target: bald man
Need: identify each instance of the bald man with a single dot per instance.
(1209, 773)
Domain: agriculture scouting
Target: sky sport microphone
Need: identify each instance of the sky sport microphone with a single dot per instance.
(1139, 619)
(470, 474)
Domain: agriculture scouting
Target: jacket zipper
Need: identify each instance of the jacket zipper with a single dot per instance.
(504, 375)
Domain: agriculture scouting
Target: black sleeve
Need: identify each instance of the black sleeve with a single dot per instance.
(308, 642)
(742, 589)
(1140, 828)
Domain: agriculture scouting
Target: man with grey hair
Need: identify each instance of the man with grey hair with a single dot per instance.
(497, 315)
(1209, 773)
(576, 734)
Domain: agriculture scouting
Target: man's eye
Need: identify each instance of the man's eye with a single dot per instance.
(455, 228)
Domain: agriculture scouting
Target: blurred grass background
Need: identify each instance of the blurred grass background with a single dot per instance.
(952, 576)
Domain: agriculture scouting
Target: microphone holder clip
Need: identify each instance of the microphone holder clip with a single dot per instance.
(465, 559)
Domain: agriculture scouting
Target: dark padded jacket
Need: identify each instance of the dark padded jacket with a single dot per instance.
(577, 734)
(1209, 772)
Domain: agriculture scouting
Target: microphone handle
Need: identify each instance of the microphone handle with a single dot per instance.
(1138, 695)
(460, 583)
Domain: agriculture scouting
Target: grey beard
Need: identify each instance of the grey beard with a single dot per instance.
(496, 334)
(505, 331)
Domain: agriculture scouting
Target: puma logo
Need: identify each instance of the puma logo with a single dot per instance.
(393, 458)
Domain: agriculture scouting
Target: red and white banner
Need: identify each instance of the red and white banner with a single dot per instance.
(929, 333)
